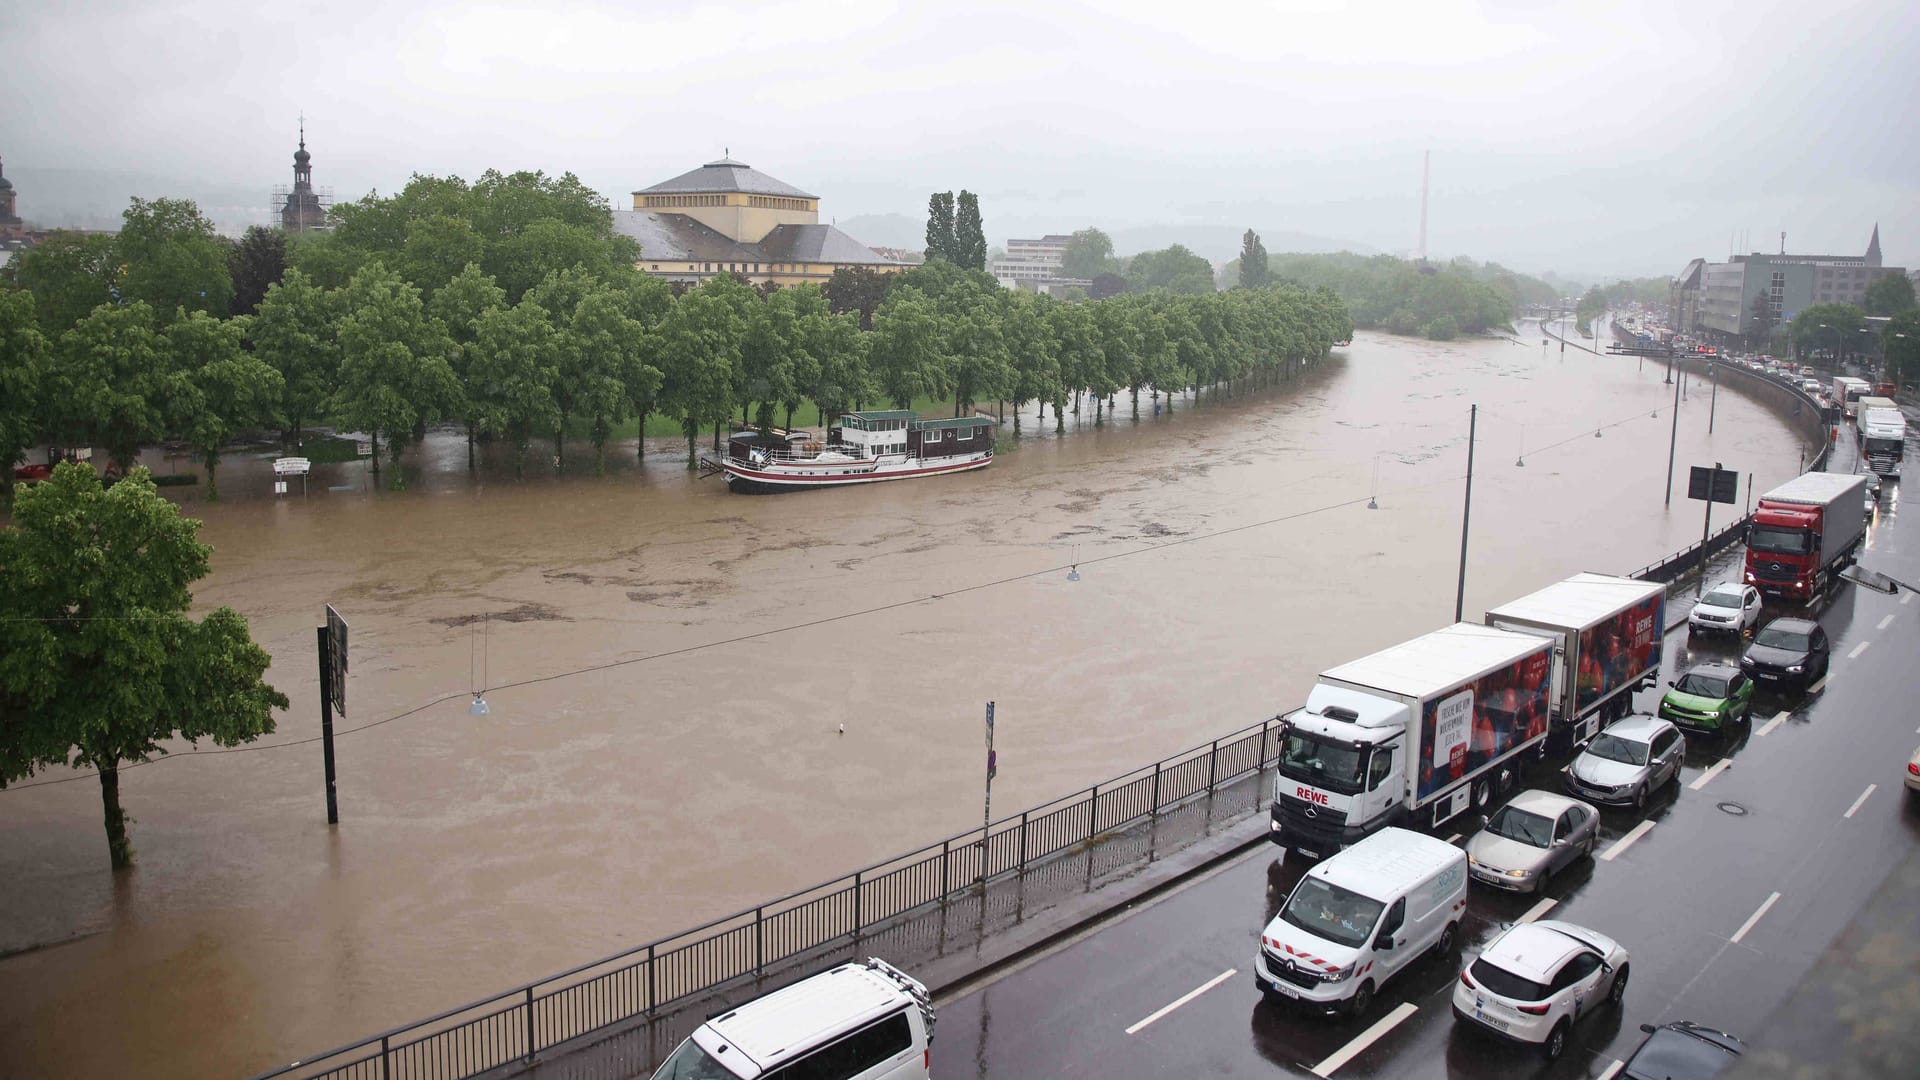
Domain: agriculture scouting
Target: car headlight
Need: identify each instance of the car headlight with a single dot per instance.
(1796, 669)
(1338, 974)
(1519, 873)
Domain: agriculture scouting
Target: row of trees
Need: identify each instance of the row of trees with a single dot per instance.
(1392, 294)
(956, 234)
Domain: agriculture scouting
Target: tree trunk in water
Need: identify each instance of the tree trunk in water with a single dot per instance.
(213, 486)
(716, 436)
(394, 449)
(1076, 403)
(559, 452)
(1059, 422)
(375, 444)
(600, 456)
(789, 418)
(693, 433)
(1136, 404)
(118, 849)
(469, 446)
(640, 439)
(1016, 419)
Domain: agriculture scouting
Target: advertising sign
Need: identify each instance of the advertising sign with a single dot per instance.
(1617, 651)
(1485, 719)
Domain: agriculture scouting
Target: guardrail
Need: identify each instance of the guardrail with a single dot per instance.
(518, 1024)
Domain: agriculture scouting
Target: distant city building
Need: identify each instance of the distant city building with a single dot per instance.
(302, 209)
(1037, 266)
(727, 217)
(1722, 298)
(11, 227)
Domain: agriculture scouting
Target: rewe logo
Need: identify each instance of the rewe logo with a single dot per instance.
(1311, 795)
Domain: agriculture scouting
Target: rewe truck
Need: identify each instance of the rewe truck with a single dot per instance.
(1847, 392)
(1883, 439)
(1413, 735)
(1606, 633)
(1803, 533)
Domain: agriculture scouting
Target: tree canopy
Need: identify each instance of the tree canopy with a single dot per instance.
(1089, 254)
(1890, 295)
(1390, 293)
(1254, 271)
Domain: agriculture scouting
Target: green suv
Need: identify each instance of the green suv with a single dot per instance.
(1708, 697)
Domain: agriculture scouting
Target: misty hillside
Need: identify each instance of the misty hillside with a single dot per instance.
(1216, 243)
(95, 198)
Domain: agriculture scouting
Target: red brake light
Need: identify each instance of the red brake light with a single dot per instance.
(1914, 767)
(1535, 1010)
(1466, 982)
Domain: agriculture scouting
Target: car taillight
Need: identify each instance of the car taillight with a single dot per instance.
(1535, 1010)
(1914, 767)
(1466, 982)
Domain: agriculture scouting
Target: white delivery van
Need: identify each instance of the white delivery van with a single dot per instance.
(1361, 917)
(868, 1021)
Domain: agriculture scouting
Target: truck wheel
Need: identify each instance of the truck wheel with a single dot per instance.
(1448, 939)
(1480, 794)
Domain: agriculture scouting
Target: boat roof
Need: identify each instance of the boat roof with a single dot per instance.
(885, 414)
(958, 422)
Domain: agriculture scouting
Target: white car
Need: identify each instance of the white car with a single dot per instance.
(1727, 608)
(1628, 762)
(1535, 979)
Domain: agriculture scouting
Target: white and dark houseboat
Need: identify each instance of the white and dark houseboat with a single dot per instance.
(860, 448)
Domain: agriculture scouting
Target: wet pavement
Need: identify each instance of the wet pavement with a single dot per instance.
(1225, 554)
(1771, 899)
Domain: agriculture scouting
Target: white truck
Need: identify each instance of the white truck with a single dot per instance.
(1847, 392)
(1606, 634)
(1413, 735)
(1883, 439)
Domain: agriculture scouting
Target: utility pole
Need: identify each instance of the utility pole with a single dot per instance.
(986, 814)
(1673, 444)
(1706, 529)
(1466, 515)
(1713, 401)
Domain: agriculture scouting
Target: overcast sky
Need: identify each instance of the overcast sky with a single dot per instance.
(1580, 137)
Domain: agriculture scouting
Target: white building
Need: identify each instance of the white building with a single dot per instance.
(1036, 265)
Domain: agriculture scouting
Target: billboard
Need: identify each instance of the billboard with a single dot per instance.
(1619, 650)
(1483, 720)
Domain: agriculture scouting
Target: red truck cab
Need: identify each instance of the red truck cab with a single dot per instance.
(1783, 550)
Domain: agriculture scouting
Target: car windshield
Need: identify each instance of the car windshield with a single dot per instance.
(1520, 825)
(1779, 541)
(1615, 748)
(1505, 983)
(1774, 637)
(1326, 910)
(690, 1062)
(1305, 757)
(1722, 598)
(1702, 684)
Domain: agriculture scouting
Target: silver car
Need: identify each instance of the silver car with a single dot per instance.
(1530, 839)
(1628, 762)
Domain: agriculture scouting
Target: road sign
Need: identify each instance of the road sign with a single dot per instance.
(1714, 485)
(337, 657)
(291, 466)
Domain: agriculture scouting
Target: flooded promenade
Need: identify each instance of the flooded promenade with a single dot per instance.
(1226, 554)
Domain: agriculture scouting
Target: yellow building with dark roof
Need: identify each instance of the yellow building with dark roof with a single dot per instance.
(728, 217)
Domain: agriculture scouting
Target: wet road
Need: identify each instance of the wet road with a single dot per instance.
(1725, 892)
(1226, 555)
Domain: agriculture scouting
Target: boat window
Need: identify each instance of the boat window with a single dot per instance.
(964, 434)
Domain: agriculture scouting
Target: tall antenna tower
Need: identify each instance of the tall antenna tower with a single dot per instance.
(1426, 166)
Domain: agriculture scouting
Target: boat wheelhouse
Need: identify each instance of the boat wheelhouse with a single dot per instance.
(860, 448)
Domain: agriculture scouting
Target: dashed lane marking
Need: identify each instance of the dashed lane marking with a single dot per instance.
(1906, 597)
(1626, 841)
(1713, 770)
(1858, 649)
(1821, 685)
(1186, 997)
(1365, 1039)
(1778, 719)
(1861, 799)
(1613, 1070)
(1884, 623)
(1539, 909)
(1754, 918)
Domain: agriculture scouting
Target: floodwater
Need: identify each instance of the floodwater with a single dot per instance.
(1226, 553)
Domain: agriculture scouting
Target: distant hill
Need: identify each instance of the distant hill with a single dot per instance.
(1216, 243)
(886, 230)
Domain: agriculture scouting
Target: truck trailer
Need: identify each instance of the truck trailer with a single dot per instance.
(1803, 533)
(1883, 439)
(1847, 392)
(1413, 735)
(1606, 633)
(1867, 404)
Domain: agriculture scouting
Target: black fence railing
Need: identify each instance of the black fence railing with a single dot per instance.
(518, 1024)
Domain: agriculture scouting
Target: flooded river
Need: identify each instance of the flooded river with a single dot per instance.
(1226, 553)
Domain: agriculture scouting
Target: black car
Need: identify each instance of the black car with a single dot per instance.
(1682, 1051)
(1787, 652)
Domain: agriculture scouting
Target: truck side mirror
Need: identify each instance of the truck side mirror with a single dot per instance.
(1384, 943)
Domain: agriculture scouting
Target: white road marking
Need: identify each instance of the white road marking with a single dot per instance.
(1861, 799)
(1713, 770)
(1821, 685)
(1365, 1039)
(1613, 1070)
(1539, 909)
(1858, 649)
(1184, 998)
(1626, 841)
(1884, 623)
(1904, 597)
(1778, 719)
(1753, 918)
(1455, 838)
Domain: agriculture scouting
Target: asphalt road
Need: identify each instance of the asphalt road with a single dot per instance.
(1727, 891)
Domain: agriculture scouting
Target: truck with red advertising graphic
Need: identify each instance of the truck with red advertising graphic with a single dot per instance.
(1413, 736)
(1606, 634)
(1803, 533)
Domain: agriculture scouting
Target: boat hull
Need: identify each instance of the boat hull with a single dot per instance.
(748, 480)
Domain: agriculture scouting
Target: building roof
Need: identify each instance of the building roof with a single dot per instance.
(816, 243)
(680, 237)
(725, 175)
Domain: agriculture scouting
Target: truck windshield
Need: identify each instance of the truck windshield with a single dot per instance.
(690, 1062)
(1329, 764)
(1326, 910)
(1778, 541)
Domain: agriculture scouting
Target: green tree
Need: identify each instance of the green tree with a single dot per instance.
(1902, 338)
(173, 259)
(394, 368)
(1890, 295)
(227, 389)
(513, 368)
(1592, 305)
(1175, 270)
(1254, 271)
(99, 662)
(255, 264)
(1830, 328)
(1760, 319)
(438, 247)
(294, 333)
(646, 303)
(859, 289)
(1031, 346)
(699, 348)
(69, 274)
(1442, 328)
(907, 352)
(843, 376)
(459, 306)
(942, 244)
(969, 234)
(24, 352)
(326, 259)
(112, 383)
(1089, 254)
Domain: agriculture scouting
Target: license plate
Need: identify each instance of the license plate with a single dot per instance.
(1500, 1025)
(1308, 854)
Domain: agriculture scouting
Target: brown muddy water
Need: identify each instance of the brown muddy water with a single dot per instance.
(590, 813)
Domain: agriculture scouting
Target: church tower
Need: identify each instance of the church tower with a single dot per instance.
(9, 220)
(1873, 246)
(304, 209)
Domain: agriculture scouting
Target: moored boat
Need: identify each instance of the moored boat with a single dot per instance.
(860, 448)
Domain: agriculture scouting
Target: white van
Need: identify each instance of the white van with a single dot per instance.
(1359, 918)
(868, 1021)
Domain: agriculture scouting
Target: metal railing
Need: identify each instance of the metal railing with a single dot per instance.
(516, 1025)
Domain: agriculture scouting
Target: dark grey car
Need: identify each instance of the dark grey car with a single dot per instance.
(1787, 653)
